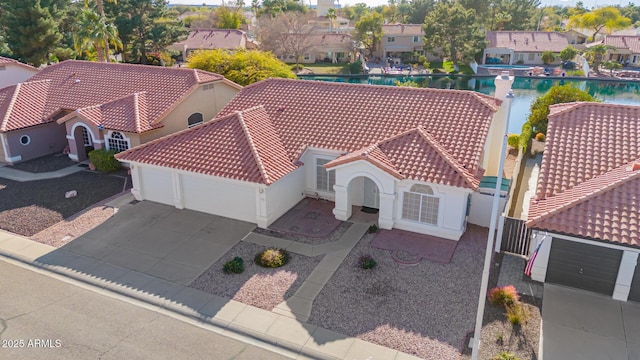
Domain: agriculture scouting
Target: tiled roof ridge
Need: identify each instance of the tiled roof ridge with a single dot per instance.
(6, 60)
(525, 32)
(14, 95)
(252, 145)
(459, 168)
(364, 154)
(490, 102)
(567, 107)
(628, 174)
(136, 111)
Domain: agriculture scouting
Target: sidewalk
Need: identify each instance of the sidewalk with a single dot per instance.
(22, 176)
(278, 333)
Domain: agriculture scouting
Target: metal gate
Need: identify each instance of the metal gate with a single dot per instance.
(516, 237)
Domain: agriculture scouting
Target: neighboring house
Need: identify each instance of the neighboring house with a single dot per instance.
(83, 105)
(417, 155)
(401, 43)
(576, 39)
(210, 39)
(627, 49)
(522, 47)
(319, 47)
(339, 25)
(586, 212)
(13, 72)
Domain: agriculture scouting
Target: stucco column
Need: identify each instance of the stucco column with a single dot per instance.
(342, 210)
(136, 190)
(539, 271)
(625, 275)
(178, 199)
(498, 125)
(261, 208)
(385, 218)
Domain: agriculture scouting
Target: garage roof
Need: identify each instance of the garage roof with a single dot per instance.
(589, 182)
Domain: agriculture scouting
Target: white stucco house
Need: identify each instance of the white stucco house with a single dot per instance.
(13, 72)
(586, 212)
(416, 155)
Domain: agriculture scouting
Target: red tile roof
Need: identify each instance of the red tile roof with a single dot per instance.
(6, 61)
(348, 117)
(213, 39)
(624, 42)
(587, 186)
(78, 84)
(242, 145)
(527, 41)
(21, 104)
(415, 155)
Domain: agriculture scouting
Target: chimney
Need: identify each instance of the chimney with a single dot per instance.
(503, 84)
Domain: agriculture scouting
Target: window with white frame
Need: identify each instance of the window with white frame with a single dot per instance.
(324, 179)
(419, 204)
(116, 141)
(391, 39)
(416, 39)
(86, 138)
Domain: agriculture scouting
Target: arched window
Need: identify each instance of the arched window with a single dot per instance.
(117, 141)
(195, 119)
(86, 138)
(419, 204)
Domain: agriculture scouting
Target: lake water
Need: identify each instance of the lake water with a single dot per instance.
(525, 89)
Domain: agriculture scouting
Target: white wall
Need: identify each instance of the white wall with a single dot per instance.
(13, 74)
(309, 159)
(481, 206)
(284, 194)
(154, 184)
(219, 196)
(451, 214)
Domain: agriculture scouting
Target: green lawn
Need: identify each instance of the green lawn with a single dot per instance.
(447, 67)
(326, 68)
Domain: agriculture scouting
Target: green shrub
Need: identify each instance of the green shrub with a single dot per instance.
(235, 266)
(513, 140)
(373, 229)
(366, 262)
(505, 356)
(355, 67)
(297, 67)
(272, 258)
(575, 73)
(520, 62)
(503, 295)
(526, 135)
(540, 136)
(104, 161)
(516, 313)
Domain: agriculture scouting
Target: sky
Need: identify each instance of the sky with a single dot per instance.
(587, 3)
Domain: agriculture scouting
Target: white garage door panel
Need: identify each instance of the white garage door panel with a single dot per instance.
(157, 185)
(220, 198)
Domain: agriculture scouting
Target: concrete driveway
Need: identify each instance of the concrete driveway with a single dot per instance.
(161, 241)
(582, 325)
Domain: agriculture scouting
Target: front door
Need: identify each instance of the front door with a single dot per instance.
(371, 198)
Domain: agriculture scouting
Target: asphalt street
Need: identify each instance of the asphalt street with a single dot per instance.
(45, 318)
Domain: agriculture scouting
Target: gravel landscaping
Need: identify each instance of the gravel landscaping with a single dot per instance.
(46, 163)
(68, 229)
(263, 288)
(425, 310)
(26, 208)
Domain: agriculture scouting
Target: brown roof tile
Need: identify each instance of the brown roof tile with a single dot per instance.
(585, 187)
(213, 39)
(527, 41)
(348, 117)
(402, 29)
(242, 145)
(21, 105)
(415, 155)
(5, 61)
(624, 42)
(78, 84)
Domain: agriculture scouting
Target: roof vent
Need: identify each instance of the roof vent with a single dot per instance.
(77, 81)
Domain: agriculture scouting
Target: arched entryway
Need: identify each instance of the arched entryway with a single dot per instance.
(364, 199)
(84, 141)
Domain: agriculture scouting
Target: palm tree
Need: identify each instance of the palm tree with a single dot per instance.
(596, 54)
(94, 33)
(331, 15)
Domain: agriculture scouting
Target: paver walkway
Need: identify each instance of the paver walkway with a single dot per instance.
(299, 305)
(22, 176)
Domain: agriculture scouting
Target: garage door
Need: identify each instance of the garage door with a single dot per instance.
(583, 266)
(634, 293)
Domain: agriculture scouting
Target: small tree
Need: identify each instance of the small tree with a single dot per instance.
(612, 65)
(568, 53)
(243, 67)
(596, 55)
(548, 57)
(369, 31)
(558, 94)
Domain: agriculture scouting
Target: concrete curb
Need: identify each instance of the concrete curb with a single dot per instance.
(268, 330)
